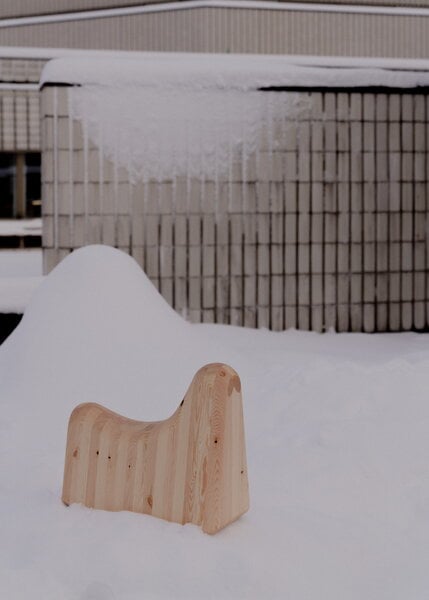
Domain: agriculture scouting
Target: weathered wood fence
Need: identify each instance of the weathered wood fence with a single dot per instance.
(325, 227)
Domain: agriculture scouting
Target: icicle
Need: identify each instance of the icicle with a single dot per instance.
(216, 175)
(130, 215)
(85, 180)
(230, 155)
(244, 163)
(55, 155)
(101, 180)
(71, 174)
(163, 133)
(115, 197)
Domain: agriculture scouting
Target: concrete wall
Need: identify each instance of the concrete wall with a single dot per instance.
(236, 30)
(329, 229)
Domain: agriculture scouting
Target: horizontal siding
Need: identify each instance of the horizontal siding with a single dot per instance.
(25, 8)
(19, 121)
(20, 71)
(408, 3)
(237, 30)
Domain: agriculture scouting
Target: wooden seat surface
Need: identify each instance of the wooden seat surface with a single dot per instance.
(190, 468)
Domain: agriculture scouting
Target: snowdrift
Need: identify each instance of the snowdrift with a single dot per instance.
(98, 324)
(337, 438)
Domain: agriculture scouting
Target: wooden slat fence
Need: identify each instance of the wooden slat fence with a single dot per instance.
(325, 227)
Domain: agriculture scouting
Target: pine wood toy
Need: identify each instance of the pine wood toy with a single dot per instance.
(190, 468)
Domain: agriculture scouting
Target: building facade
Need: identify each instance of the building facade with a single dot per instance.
(338, 240)
(31, 32)
(368, 28)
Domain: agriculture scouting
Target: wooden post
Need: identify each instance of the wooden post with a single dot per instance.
(190, 468)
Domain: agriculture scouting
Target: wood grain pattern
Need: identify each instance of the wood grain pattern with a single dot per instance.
(190, 468)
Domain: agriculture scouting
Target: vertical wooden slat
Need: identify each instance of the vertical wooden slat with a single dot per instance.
(304, 223)
(330, 213)
(316, 213)
(406, 212)
(369, 214)
(394, 211)
(382, 200)
(356, 203)
(343, 204)
(291, 228)
(419, 214)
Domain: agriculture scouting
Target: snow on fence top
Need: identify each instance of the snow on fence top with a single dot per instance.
(168, 115)
(244, 72)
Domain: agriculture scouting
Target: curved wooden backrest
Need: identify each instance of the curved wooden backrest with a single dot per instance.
(190, 468)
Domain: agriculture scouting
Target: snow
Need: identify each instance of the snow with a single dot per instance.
(19, 86)
(162, 133)
(337, 443)
(159, 121)
(165, 116)
(415, 64)
(21, 263)
(16, 292)
(20, 275)
(230, 71)
(20, 227)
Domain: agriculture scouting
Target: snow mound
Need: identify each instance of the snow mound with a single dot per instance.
(96, 277)
(98, 319)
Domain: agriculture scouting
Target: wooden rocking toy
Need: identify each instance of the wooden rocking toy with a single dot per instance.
(190, 468)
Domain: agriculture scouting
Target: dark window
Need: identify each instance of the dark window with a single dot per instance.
(33, 202)
(7, 185)
(20, 185)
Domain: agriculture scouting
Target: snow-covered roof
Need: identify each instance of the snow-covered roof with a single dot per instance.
(210, 71)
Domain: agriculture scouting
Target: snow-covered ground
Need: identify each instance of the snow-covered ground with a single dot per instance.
(337, 440)
(20, 274)
(21, 227)
(21, 263)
